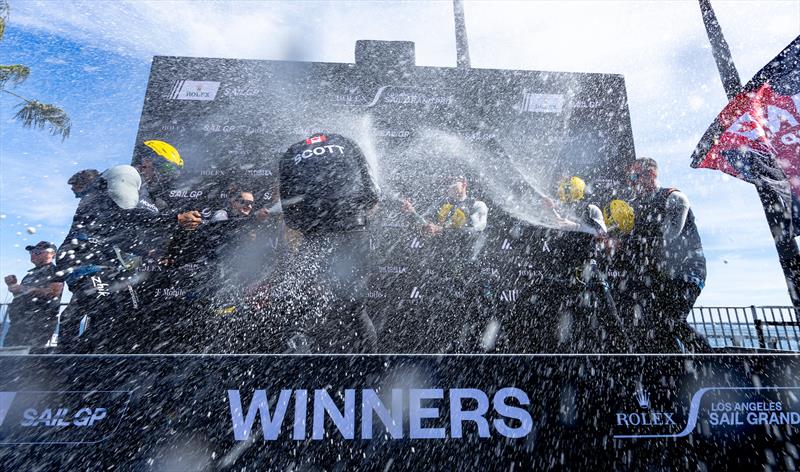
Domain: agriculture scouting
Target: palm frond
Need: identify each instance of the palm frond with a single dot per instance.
(38, 115)
(4, 10)
(15, 74)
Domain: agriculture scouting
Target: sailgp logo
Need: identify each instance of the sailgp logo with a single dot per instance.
(60, 417)
(194, 90)
(247, 90)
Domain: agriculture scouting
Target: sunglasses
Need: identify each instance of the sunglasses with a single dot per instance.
(244, 202)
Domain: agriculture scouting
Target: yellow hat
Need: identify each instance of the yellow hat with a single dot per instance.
(572, 189)
(618, 214)
(165, 150)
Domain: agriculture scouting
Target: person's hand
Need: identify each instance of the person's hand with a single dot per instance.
(566, 225)
(166, 261)
(407, 207)
(190, 219)
(16, 289)
(11, 280)
(550, 209)
(262, 215)
(431, 229)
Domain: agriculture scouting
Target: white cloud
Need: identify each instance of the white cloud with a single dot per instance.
(246, 30)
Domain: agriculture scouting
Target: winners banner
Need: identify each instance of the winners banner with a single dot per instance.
(718, 412)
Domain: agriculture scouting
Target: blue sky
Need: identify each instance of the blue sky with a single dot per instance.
(93, 59)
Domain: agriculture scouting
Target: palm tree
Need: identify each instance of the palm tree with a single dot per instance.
(31, 113)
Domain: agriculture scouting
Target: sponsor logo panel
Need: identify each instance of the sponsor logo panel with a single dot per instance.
(194, 90)
(542, 102)
(401, 95)
(711, 408)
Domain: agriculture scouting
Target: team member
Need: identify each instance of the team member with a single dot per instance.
(597, 324)
(455, 314)
(99, 261)
(34, 310)
(159, 281)
(215, 264)
(240, 205)
(250, 246)
(159, 165)
(671, 260)
(457, 211)
(327, 194)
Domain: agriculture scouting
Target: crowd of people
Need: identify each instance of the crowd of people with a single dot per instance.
(149, 272)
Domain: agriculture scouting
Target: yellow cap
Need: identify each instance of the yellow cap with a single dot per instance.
(618, 214)
(165, 150)
(571, 189)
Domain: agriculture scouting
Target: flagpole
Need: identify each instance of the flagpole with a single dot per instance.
(774, 210)
(462, 45)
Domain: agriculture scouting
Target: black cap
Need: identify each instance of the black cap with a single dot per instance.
(42, 245)
(84, 176)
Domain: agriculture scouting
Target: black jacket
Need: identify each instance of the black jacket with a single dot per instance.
(103, 235)
(681, 258)
(326, 185)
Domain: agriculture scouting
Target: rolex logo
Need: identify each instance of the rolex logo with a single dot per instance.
(643, 398)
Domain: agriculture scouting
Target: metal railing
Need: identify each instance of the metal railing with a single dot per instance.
(763, 327)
